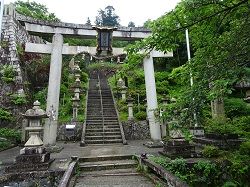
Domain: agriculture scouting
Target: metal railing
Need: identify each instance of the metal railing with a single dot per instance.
(124, 141)
(82, 143)
(100, 93)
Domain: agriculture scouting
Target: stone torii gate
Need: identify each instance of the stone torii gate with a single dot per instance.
(57, 49)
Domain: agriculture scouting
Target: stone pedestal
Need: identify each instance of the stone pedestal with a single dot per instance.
(178, 148)
(31, 159)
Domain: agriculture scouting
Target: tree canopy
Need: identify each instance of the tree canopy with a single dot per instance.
(219, 37)
(35, 10)
(107, 17)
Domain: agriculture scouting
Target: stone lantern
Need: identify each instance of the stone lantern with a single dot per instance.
(34, 116)
(33, 156)
(130, 108)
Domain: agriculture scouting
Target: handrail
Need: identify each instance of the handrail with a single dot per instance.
(100, 92)
(124, 141)
(82, 143)
(65, 181)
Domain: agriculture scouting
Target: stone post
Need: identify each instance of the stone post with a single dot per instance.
(154, 126)
(50, 129)
(217, 107)
(130, 108)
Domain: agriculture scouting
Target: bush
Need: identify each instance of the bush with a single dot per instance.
(10, 134)
(5, 115)
(4, 144)
(220, 126)
(235, 107)
(18, 100)
(245, 148)
(8, 73)
(210, 151)
(141, 115)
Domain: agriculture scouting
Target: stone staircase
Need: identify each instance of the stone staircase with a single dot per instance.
(115, 170)
(102, 124)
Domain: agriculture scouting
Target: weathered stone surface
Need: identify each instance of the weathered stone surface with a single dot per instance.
(136, 130)
(62, 134)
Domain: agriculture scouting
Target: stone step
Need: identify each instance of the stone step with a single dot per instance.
(103, 141)
(107, 165)
(105, 158)
(111, 172)
(105, 137)
(102, 133)
(94, 129)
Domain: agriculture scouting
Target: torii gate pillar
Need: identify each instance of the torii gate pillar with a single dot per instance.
(148, 65)
(50, 128)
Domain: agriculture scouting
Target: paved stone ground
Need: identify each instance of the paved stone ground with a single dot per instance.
(73, 149)
(62, 159)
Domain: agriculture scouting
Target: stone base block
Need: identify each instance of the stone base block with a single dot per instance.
(33, 158)
(153, 144)
(221, 143)
(178, 148)
(28, 166)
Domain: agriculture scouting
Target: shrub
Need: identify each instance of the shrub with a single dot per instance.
(4, 144)
(18, 100)
(210, 151)
(141, 115)
(5, 115)
(236, 107)
(220, 126)
(10, 134)
(245, 148)
(8, 74)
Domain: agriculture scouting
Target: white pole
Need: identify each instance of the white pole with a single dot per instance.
(1, 16)
(191, 75)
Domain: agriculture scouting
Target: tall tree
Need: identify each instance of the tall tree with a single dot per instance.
(219, 36)
(35, 10)
(107, 17)
(88, 22)
(131, 24)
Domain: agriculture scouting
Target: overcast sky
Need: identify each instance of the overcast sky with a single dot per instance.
(138, 11)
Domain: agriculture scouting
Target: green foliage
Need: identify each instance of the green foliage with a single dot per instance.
(107, 17)
(7, 73)
(245, 148)
(142, 115)
(221, 126)
(236, 107)
(10, 134)
(35, 10)
(4, 144)
(18, 100)
(206, 173)
(210, 151)
(5, 115)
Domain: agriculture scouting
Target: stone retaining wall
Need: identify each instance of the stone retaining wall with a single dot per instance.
(136, 130)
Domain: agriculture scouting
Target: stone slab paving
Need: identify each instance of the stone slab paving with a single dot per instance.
(73, 149)
(111, 181)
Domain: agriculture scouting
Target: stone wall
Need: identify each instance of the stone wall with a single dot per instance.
(13, 39)
(136, 130)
